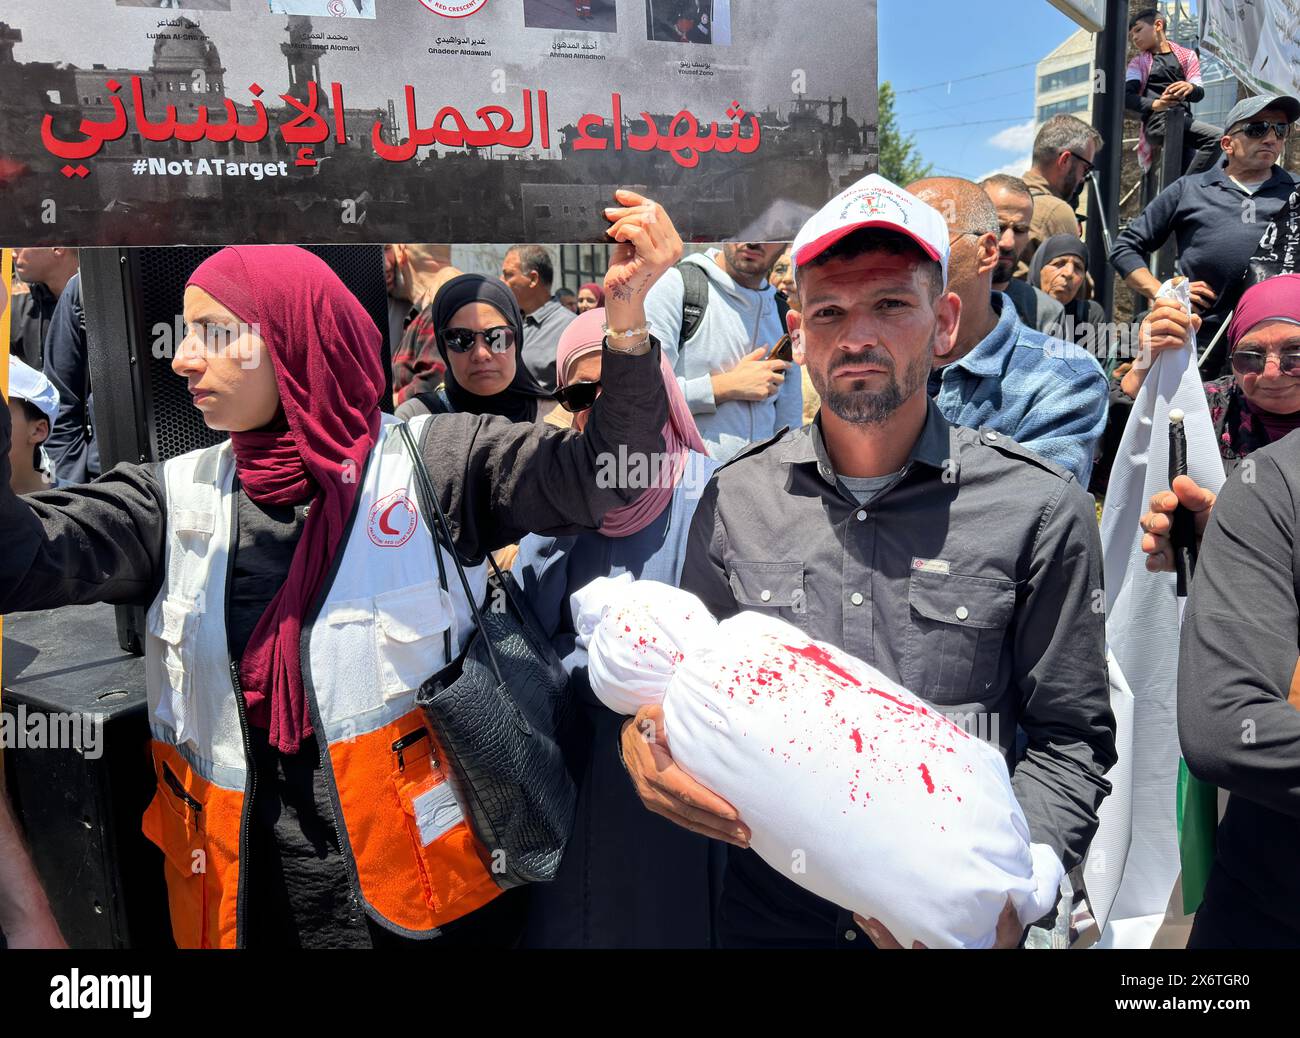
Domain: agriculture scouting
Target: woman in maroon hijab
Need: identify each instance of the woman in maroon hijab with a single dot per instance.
(294, 600)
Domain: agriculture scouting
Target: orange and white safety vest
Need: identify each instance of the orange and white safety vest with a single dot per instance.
(377, 635)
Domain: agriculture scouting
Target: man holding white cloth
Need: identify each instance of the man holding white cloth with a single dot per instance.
(955, 561)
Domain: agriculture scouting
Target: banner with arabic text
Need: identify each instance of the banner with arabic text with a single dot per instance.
(160, 122)
(1259, 40)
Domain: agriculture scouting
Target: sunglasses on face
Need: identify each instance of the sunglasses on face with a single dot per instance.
(578, 396)
(1253, 362)
(1258, 131)
(461, 340)
(1088, 167)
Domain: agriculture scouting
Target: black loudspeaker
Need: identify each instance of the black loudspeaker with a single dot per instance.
(79, 786)
(133, 298)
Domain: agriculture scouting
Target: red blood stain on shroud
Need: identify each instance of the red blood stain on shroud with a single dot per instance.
(925, 774)
(823, 659)
(856, 736)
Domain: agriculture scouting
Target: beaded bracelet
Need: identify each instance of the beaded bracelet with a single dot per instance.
(633, 337)
(640, 333)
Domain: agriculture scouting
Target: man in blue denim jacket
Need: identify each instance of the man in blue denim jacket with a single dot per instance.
(1046, 394)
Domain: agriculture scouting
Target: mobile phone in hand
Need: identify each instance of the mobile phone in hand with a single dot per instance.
(783, 350)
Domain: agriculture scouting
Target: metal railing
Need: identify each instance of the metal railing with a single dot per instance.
(1166, 167)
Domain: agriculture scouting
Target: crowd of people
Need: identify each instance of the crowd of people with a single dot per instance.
(891, 432)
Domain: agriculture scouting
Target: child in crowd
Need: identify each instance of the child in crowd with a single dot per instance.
(33, 406)
(1165, 78)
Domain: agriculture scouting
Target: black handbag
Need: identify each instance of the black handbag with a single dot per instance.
(497, 712)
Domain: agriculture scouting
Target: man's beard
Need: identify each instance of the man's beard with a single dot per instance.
(750, 267)
(1003, 271)
(860, 406)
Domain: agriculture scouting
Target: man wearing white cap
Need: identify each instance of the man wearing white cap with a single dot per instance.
(958, 563)
(33, 406)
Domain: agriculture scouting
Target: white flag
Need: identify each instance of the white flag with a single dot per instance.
(1142, 619)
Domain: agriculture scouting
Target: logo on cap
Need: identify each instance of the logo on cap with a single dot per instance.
(392, 520)
(874, 203)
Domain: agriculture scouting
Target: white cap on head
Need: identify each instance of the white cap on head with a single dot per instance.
(28, 384)
(874, 202)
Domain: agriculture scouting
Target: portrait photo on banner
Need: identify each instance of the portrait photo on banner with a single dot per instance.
(689, 21)
(587, 15)
(325, 8)
(189, 5)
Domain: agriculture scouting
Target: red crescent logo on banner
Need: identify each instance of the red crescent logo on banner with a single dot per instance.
(392, 520)
(454, 8)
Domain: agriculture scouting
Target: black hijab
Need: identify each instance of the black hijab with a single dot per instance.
(520, 400)
(1055, 247)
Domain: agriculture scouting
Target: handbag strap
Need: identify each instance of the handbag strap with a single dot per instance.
(429, 505)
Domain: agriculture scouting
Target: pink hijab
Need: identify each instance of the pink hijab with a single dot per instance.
(585, 336)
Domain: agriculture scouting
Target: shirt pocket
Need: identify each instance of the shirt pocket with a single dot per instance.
(173, 622)
(173, 822)
(954, 639)
(409, 627)
(770, 586)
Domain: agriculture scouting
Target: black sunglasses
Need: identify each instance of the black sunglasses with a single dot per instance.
(461, 340)
(1253, 362)
(1258, 131)
(578, 396)
(1079, 158)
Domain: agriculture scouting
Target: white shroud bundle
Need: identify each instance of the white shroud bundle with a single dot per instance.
(851, 786)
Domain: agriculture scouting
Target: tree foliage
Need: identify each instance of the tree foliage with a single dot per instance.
(900, 158)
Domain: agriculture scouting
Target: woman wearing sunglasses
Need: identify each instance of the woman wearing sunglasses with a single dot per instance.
(629, 878)
(478, 329)
(1260, 401)
(1237, 667)
(294, 605)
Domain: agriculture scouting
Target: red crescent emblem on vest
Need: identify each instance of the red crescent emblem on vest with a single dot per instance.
(384, 525)
(380, 524)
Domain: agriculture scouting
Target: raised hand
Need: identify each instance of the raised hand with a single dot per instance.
(648, 244)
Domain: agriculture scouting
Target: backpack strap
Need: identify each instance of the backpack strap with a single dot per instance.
(435, 400)
(695, 300)
(782, 308)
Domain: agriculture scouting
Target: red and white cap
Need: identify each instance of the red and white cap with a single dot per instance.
(874, 202)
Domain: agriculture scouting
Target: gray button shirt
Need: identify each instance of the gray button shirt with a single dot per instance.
(542, 331)
(973, 580)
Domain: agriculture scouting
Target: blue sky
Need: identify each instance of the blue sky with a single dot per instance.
(977, 126)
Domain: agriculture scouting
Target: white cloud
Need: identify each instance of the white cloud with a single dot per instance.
(1014, 138)
(1015, 169)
